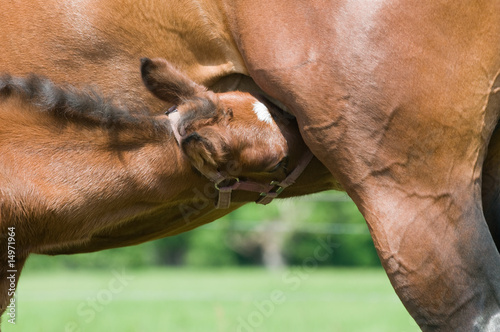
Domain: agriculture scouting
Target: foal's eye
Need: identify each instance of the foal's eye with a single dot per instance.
(282, 164)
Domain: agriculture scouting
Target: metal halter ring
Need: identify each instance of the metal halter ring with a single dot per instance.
(234, 180)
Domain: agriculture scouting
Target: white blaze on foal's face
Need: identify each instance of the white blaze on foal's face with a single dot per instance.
(262, 112)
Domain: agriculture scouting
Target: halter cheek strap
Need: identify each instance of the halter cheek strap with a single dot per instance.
(225, 185)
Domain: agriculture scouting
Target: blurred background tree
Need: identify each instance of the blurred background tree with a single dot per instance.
(284, 233)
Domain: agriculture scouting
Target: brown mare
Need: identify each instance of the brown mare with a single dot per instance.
(81, 174)
(399, 99)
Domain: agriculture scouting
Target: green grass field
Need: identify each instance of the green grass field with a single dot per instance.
(241, 300)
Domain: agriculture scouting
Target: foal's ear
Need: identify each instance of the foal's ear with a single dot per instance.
(167, 82)
(206, 151)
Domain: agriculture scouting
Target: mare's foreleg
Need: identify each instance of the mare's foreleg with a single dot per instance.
(11, 263)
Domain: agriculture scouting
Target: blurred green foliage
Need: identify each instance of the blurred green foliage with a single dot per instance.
(286, 232)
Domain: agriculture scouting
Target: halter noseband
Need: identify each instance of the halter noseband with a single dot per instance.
(226, 185)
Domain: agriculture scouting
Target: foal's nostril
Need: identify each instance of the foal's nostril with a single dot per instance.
(283, 164)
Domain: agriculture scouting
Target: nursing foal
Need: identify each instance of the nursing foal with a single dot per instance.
(80, 173)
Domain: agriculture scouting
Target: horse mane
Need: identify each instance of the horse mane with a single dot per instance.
(84, 106)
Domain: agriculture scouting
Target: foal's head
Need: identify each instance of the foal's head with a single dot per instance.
(232, 133)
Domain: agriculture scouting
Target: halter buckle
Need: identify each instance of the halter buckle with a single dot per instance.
(275, 191)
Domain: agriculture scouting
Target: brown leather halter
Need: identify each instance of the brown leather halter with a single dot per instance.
(225, 185)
